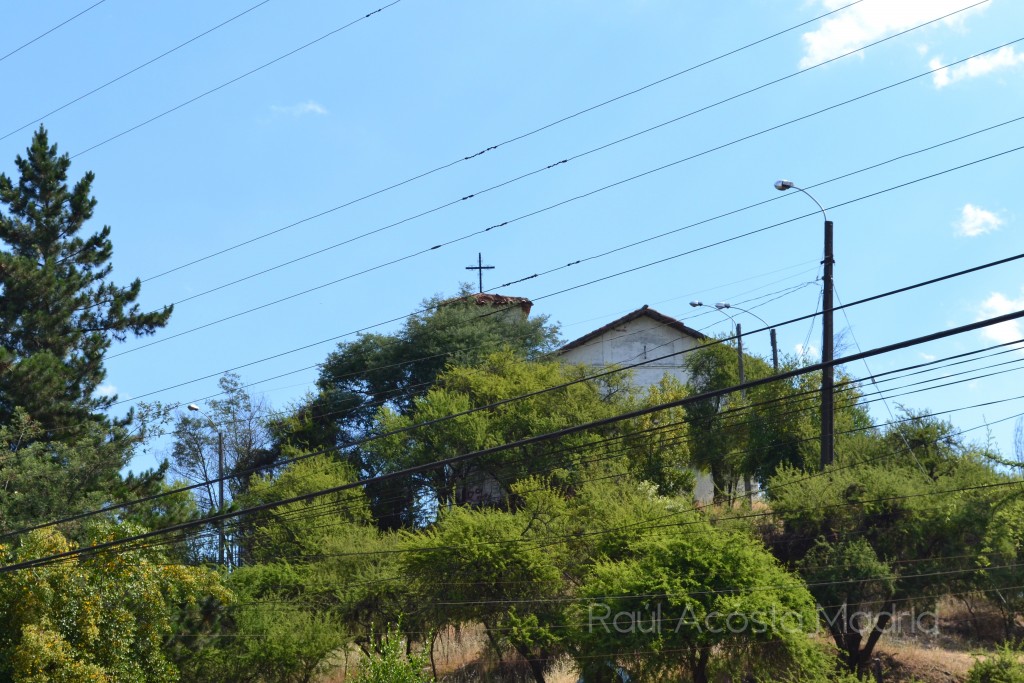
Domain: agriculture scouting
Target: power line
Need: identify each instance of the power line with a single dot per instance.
(542, 169)
(482, 231)
(48, 32)
(776, 225)
(235, 79)
(333, 507)
(131, 71)
(438, 355)
(787, 322)
(509, 141)
(588, 378)
(526, 442)
(807, 395)
(472, 195)
(562, 291)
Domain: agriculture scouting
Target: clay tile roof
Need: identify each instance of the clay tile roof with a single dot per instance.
(485, 299)
(644, 310)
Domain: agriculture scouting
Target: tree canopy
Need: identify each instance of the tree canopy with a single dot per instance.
(59, 311)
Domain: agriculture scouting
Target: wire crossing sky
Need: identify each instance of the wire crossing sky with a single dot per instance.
(414, 87)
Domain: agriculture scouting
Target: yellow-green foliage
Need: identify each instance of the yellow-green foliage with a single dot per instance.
(628, 447)
(99, 618)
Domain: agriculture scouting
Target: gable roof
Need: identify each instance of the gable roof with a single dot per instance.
(644, 310)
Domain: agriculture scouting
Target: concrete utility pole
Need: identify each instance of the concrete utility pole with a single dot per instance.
(220, 495)
(828, 373)
(720, 307)
(220, 480)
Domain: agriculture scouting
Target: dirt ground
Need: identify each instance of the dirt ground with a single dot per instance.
(461, 654)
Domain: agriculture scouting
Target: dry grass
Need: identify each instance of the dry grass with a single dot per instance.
(464, 654)
(906, 661)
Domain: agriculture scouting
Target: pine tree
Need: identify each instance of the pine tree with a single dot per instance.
(59, 313)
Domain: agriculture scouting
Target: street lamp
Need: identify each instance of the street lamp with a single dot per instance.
(220, 479)
(739, 336)
(828, 372)
(722, 307)
(771, 330)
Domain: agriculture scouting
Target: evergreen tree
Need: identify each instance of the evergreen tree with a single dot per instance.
(59, 313)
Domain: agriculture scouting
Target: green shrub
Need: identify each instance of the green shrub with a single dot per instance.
(1003, 667)
(388, 663)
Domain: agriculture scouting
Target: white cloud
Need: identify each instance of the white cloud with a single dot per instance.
(106, 390)
(809, 351)
(1003, 58)
(928, 356)
(300, 109)
(975, 221)
(922, 49)
(999, 304)
(869, 21)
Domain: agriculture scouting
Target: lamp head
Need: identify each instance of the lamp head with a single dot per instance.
(721, 304)
(783, 185)
(695, 304)
(193, 407)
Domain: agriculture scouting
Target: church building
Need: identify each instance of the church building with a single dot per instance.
(644, 334)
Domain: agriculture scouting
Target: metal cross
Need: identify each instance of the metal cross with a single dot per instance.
(480, 268)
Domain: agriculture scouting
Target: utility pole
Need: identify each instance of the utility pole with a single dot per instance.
(721, 308)
(775, 352)
(220, 496)
(828, 373)
(739, 346)
(827, 352)
(220, 479)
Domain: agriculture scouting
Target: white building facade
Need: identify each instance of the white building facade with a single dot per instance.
(642, 335)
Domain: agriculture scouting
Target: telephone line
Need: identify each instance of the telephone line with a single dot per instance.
(509, 141)
(640, 526)
(48, 32)
(787, 322)
(806, 397)
(784, 292)
(131, 71)
(562, 291)
(550, 207)
(234, 80)
(796, 398)
(542, 169)
(336, 508)
(527, 441)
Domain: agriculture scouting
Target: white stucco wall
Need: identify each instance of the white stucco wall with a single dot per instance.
(635, 341)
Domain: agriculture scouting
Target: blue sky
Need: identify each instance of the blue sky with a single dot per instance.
(419, 85)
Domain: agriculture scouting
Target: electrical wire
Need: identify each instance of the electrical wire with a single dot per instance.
(491, 406)
(530, 214)
(516, 138)
(546, 296)
(524, 442)
(49, 31)
(542, 169)
(235, 79)
(131, 71)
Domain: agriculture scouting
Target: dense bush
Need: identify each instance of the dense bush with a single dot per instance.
(388, 663)
(1003, 667)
